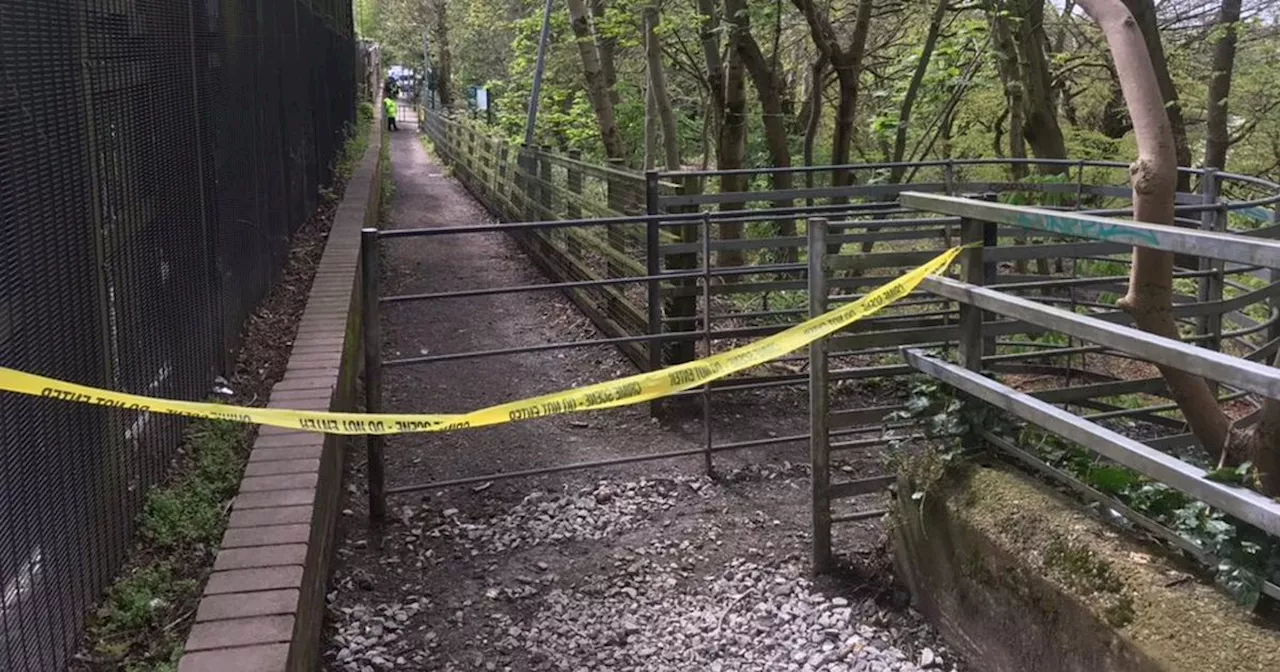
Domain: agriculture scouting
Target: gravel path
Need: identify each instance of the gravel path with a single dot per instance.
(646, 567)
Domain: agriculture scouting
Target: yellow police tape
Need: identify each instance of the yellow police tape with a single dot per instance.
(624, 391)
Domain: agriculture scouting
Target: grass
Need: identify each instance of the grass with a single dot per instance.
(139, 624)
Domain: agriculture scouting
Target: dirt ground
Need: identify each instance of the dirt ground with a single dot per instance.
(538, 572)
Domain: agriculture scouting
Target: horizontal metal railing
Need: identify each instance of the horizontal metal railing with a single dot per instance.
(1241, 375)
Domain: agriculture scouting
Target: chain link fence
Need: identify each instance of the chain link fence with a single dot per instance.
(155, 156)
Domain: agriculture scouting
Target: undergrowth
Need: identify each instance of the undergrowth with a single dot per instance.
(1245, 556)
(139, 625)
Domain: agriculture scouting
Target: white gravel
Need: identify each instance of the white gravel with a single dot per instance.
(664, 602)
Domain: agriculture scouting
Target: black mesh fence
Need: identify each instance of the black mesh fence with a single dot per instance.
(155, 156)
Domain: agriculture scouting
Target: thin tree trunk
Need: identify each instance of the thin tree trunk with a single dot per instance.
(658, 85)
(1144, 12)
(770, 92)
(444, 59)
(814, 121)
(733, 144)
(597, 88)
(606, 46)
(1154, 177)
(847, 63)
(913, 90)
(1224, 58)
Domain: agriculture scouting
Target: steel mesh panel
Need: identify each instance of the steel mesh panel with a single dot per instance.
(155, 156)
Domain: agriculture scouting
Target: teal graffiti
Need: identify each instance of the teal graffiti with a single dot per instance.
(1087, 228)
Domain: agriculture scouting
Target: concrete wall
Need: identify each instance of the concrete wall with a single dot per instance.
(263, 606)
(1019, 578)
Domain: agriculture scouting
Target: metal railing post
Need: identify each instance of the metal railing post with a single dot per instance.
(653, 267)
(1210, 288)
(706, 344)
(372, 337)
(819, 440)
(972, 271)
(1273, 276)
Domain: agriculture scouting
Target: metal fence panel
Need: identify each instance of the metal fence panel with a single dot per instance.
(155, 157)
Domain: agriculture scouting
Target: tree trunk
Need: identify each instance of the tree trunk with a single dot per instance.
(814, 121)
(847, 63)
(658, 85)
(773, 116)
(1144, 13)
(1154, 177)
(606, 45)
(1224, 58)
(597, 87)
(732, 151)
(444, 59)
(913, 90)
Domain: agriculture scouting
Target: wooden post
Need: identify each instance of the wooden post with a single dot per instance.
(819, 439)
(546, 195)
(502, 185)
(572, 205)
(528, 182)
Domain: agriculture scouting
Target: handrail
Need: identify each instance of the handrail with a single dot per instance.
(1213, 244)
(1242, 503)
(1237, 372)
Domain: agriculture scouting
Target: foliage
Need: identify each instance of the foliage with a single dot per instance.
(135, 626)
(1246, 556)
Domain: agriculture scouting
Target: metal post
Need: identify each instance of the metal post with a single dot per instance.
(706, 341)
(972, 272)
(537, 75)
(819, 441)
(1210, 288)
(653, 266)
(376, 468)
(1273, 276)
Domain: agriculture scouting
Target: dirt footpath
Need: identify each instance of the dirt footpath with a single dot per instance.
(649, 566)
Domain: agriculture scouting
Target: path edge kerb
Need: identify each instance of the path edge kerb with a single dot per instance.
(263, 606)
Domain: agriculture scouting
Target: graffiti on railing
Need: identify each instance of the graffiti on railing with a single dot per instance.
(1080, 227)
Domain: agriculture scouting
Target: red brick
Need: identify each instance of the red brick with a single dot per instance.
(270, 498)
(287, 439)
(266, 535)
(312, 450)
(240, 632)
(334, 350)
(308, 370)
(317, 403)
(278, 467)
(286, 482)
(303, 383)
(257, 578)
(327, 360)
(280, 515)
(332, 326)
(245, 605)
(266, 658)
(260, 556)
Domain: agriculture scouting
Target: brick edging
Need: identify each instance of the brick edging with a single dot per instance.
(263, 605)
